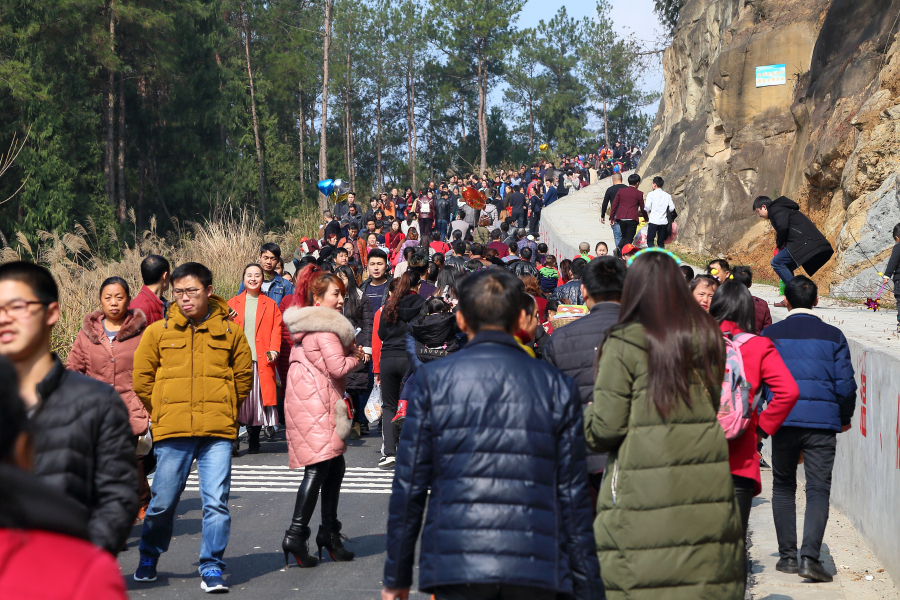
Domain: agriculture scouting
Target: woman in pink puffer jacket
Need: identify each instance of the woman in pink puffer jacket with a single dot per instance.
(316, 416)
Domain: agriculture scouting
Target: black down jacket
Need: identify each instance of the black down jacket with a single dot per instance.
(573, 350)
(808, 247)
(361, 318)
(568, 293)
(502, 452)
(84, 447)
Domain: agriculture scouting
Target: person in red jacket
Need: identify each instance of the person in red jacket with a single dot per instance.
(155, 274)
(627, 209)
(732, 307)
(38, 522)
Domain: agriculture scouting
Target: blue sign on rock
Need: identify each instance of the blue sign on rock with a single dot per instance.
(771, 75)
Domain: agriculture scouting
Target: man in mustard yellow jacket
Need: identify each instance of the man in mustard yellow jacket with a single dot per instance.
(192, 370)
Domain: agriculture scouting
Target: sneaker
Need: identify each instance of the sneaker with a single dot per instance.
(146, 571)
(212, 582)
(355, 432)
(401, 412)
(142, 513)
(363, 429)
(386, 462)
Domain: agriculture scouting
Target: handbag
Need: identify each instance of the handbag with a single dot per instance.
(144, 443)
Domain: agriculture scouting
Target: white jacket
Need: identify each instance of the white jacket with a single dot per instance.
(656, 204)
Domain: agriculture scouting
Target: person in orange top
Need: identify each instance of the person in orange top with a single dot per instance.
(259, 316)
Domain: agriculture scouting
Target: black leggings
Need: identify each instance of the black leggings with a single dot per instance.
(326, 476)
(393, 369)
(743, 491)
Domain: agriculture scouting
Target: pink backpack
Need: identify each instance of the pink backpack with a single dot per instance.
(736, 408)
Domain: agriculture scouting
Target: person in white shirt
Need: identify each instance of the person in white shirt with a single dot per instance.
(657, 204)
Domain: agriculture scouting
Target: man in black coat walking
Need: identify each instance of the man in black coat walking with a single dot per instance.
(83, 444)
(503, 459)
(798, 240)
(573, 349)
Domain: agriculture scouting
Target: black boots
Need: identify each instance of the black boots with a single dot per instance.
(333, 542)
(253, 438)
(296, 542)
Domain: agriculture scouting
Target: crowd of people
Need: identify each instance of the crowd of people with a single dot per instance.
(610, 455)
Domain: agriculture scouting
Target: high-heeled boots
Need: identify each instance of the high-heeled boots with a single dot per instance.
(333, 541)
(296, 542)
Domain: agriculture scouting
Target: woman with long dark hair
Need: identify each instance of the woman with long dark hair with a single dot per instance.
(565, 272)
(667, 520)
(402, 307)
(316, 416)
(358, 311)
(733, 308)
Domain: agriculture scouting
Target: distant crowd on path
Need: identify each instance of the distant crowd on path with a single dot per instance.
(626, 417)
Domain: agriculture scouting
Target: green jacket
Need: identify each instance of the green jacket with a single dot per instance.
(667, 521)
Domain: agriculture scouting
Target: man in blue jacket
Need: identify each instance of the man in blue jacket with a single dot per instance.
(503, 454)
(274, 286)
(818, 357)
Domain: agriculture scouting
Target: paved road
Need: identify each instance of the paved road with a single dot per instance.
(262, 500)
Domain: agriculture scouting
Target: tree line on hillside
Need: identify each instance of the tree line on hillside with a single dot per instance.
(173, 108)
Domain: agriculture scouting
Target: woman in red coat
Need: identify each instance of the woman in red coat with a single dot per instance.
(259, 316)
(104, 350)
(732, 306)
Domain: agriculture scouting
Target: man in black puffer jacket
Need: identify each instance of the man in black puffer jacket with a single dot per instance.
(570, 292)
(83, 444)
(573, 349)
(502, 452)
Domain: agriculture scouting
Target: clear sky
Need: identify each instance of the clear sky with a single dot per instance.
(630, 16)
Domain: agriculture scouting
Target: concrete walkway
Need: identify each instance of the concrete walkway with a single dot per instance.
(575, 218)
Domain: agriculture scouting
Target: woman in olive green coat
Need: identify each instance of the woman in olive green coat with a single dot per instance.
(667, 522)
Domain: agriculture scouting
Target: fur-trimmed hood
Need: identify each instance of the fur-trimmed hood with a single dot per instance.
(135, 320)
(310, 319)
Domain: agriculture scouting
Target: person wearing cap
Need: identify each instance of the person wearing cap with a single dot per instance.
(628, 250)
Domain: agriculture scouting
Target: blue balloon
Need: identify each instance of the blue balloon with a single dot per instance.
(326, 186)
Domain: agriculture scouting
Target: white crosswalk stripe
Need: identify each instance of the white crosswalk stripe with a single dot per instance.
(266, 478)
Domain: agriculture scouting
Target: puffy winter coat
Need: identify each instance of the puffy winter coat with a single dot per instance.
(808, 247)
(316, 383)
(37, 522)
(818, 357)
(667, 520)
(84, 447)
(430, 337)
(93, 355)
(573, 350)
(268, 339)
(568, 293)
(193, 382)
(762, 365)
(503, 459)
(361, 319)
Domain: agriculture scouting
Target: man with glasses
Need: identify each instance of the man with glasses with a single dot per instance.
(192, 371)
(83, 444)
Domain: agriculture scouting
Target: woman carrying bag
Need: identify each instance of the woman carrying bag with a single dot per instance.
(358, 311)
(317, 417)
(104, 350)
(261, 320)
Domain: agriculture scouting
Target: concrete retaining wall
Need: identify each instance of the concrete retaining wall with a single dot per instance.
(866, 477)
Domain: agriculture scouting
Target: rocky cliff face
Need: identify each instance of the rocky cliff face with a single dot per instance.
(829, 138)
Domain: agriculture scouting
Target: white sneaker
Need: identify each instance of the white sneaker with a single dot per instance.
(386, 462)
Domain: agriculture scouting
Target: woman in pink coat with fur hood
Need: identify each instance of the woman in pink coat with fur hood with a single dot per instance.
(316, 417)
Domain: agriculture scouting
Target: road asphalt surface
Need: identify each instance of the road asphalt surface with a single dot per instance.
(263, 491)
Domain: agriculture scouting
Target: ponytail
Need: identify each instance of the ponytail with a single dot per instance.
(302, 291)
(407, 281)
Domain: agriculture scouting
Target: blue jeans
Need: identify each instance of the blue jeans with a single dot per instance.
(617, 233)
(441, 228)
(173, 465)
(784, 265)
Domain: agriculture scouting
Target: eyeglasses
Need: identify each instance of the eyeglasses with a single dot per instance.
(18, 309)
(191, 293)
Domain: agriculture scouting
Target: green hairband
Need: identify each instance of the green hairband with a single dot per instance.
(660, 250)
